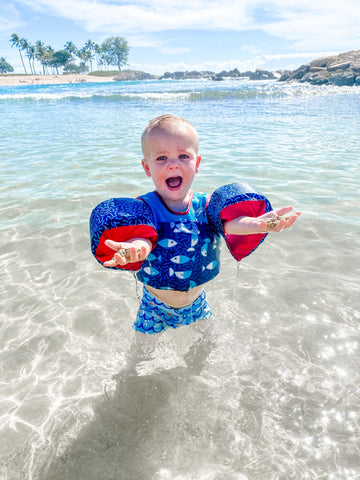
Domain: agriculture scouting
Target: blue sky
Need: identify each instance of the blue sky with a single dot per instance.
(166, 35)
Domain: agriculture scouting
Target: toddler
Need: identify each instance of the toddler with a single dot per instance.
(170, 237)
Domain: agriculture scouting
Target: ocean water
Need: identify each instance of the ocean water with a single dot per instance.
(266, 390)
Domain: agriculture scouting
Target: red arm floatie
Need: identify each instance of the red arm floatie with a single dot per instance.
(120, 220)
(232, 201)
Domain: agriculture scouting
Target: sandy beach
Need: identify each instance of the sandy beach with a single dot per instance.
(12, 80)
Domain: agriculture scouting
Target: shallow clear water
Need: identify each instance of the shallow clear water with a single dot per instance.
(269, 388)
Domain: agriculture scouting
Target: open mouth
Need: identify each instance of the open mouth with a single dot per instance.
(174, 182)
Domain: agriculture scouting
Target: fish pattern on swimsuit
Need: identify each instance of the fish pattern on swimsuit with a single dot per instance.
(154, 316)
(188, 251)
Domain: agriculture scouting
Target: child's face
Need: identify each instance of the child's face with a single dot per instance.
(172, 162)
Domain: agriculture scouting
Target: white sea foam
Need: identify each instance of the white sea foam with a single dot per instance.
(170, 91)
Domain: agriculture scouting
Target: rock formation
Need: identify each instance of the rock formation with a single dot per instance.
(188, 75)
(342, 69)
(132, 75)
(259, 74)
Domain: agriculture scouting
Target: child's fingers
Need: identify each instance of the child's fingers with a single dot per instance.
(283, 210)
(118, 259)
(110, 263)
(113, 245)
(275, 223)
(144, 252)
(125, 253)
(139, 254)
(121, 258)
(129, 254)
(285, 222)
(134, 254)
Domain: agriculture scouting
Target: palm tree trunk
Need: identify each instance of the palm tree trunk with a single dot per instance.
(31, 70)
(22, 61)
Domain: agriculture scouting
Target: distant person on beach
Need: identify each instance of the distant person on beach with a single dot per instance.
(170, 237)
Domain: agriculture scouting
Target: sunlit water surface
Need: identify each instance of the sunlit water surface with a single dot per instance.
(266, 390)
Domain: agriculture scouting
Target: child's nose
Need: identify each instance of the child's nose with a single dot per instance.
(173, 163)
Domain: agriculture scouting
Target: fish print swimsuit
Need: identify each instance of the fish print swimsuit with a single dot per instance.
(186, 255)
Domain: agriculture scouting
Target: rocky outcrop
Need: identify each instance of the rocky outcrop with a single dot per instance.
(132, 75)
(259, 74)
(188, 75)
(342, 69)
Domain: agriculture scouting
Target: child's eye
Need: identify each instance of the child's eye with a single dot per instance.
(184, 156)
(162, 158)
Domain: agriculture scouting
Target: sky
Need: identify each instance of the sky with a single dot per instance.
(167, 35)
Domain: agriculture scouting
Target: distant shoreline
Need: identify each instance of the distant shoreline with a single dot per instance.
(339, 70)
(15, 80)
(129, 75)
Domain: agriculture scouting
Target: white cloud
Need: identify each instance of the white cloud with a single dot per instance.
(294, 18)
(324, 24)
(153, 42)
(295, 56)
(147, 16)
(303, 25)
(173, 50)
(9, 18)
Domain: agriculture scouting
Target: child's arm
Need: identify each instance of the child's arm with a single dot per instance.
(269, 222)
(134, 250)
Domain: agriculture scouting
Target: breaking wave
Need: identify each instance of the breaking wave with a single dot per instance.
(157, 91)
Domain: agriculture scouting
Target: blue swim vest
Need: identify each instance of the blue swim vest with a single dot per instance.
(186, 249)
(187, 253)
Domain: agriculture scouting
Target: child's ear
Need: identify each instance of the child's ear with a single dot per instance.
(198, 160)
(146, 167)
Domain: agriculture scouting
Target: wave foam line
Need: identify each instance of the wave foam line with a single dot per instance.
(228, 92)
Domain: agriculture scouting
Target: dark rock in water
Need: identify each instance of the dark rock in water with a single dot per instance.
(343, 78)
(313, 78)
(342, 69)
(259, 74)
(132, 75)
(188, 75)
(338, 66)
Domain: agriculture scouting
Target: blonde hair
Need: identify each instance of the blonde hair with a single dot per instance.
(168, 124)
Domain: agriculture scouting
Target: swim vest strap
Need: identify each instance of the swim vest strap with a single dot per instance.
(232, 201)
(120, 220)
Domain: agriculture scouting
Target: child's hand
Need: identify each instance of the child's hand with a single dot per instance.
(135, 250)
(272, 221)
(269, 222)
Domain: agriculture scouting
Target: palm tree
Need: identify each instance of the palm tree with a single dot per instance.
(85, 55)
(31, 54)
(25, 45)
(40, 54)
(70, 48)
(97, 50)
(89, 49)
(16, 42)
(49, 53)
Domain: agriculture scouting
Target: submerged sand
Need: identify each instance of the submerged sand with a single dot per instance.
(10, 80)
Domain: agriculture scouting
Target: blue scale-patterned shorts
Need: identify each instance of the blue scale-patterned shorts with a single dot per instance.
(155, 316)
